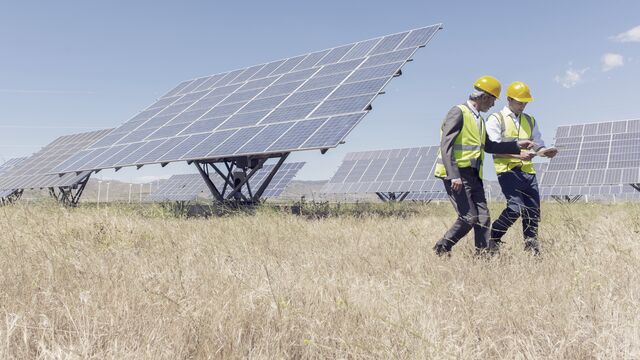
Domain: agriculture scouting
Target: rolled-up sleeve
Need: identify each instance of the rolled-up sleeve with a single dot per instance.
(537, 137)
(494, 130)
(451, 127)
(509, 147)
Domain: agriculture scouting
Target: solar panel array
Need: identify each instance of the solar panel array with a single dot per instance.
(594, 192)
(397, 170)
(6, 167)
(10, 164)
(280, 181)
(35, 171)
(189, 187)
(427, 196)
(596, 154)
(186, 187)
(310, 101)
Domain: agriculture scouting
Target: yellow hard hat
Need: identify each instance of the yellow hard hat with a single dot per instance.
(519, 91)
(489, 84)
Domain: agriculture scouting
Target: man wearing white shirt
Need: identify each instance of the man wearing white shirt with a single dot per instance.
(516, 173)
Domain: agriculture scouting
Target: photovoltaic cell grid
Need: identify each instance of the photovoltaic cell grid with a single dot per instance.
(11, 163)
(397, 170)
(310, 101)
(427, 196)
(280, 181)
(35, 171)
(596, 154)
(187, 187)
(4, 168)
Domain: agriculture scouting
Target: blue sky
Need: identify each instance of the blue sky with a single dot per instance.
(73, 66)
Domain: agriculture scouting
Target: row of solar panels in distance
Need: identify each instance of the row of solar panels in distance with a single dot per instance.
(601, 128)
(427, 196)
(597, 152)
(591, 177)
(605, 191)
(395, 170)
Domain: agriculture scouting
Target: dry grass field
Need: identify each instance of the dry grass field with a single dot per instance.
(137, 283)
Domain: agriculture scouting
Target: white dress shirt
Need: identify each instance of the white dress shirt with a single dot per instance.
(494, 130)
(479, 118)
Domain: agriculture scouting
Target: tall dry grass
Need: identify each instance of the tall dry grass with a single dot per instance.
(120, 283)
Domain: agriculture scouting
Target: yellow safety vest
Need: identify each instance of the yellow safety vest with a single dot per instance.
(468, 147)
(510, 132)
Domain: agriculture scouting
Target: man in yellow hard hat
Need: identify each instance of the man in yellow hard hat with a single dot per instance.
(516, 173)
(463, 141)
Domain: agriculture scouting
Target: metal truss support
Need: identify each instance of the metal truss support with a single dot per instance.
(392, 196)
(234, 186)
(11, 198)
(70, 195)
(566, 198)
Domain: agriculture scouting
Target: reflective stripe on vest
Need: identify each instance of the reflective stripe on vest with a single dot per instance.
(468, 147)
(511, 132)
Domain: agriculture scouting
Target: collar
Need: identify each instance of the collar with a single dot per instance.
(507, 112)
(473, 109)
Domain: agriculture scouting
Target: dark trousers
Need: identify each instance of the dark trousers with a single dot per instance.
(523, 199)
(471, 205)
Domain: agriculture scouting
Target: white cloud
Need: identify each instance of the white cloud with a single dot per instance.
(631, 35)
(571, 77)
(611, 61)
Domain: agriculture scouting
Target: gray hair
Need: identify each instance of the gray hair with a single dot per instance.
(476, 94)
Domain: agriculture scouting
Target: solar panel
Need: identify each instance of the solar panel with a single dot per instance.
(428, 196)
(189, 187)
(10, 164)
(35, 171)
(622, 192)
(5, 193)
(396, 170)
(596, 154)
(304, 102)
(186, 187)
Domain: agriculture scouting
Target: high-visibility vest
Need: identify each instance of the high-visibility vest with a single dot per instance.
(468, 147)
(511, 132)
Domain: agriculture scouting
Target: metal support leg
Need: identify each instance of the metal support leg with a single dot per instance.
(207, 180)
(11, 198)
(267, 181)
(236, 194)
(70, 195)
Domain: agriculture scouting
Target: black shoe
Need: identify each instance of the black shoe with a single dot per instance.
(531, 245)
(441, 250)
(493, 247)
